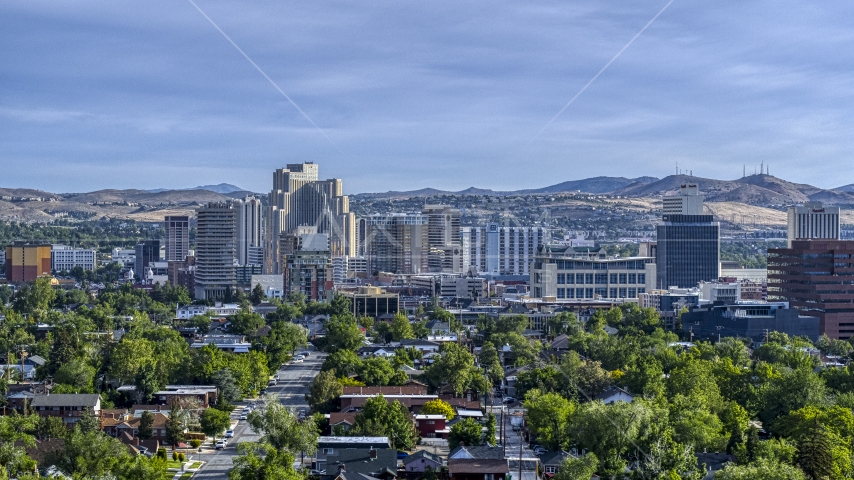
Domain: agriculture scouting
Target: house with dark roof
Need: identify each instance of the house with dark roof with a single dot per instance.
(343, 421)
(69, 407)
(614, 394)
(379, 463)
(477, 469)
(423, 345)
(421, 460)
(437, 327)
(477, 452)
(329, 446)
(551, 461)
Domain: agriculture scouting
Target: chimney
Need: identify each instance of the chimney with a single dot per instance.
(373, 454)
(341, 468)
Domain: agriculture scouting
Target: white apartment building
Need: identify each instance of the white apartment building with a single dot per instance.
(564, 272)
(813, 221)
(501, 250)
(689, 201)
(63, 258)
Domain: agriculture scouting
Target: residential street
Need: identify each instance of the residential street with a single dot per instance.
(294, 380)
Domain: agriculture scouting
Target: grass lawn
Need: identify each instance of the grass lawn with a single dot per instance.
(173, 464)
(186, 476)
(195, 465)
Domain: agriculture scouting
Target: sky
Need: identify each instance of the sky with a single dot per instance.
(400, 95)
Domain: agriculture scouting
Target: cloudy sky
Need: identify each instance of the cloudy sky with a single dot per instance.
(410, 94)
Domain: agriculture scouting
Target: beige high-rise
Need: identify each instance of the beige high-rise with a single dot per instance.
(299, 199)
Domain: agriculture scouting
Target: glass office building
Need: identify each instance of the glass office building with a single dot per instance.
(688, 251)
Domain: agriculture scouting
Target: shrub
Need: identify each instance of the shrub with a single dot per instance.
(196, 443)
(175, 456)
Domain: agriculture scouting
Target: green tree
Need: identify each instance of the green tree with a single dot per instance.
(378, 371)
(202, 324)
(214, 422)
(489, 361)
(78, 374)
(128, 357)
(582, 468)
(465, 432)
(324, 392)
(489, 434)
(439, 407)
(455, 367)
(764, 469)
(89, 454)
(146, 422)
(284, 339)
(175, 426)
(524, 351)
(51, 427)
(246, 322)
(342, 333)
(257, 296)
(262, 461)
(35, 299)
(400, 328)
(344, 362)
(548, 416)
(817, 451)
(88, 422)
(226, 385)
(609, 430)
(381, 418)
(282, 430)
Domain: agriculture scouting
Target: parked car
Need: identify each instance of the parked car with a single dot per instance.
(509, 399)
(243, 417)
(229, 433)
(220, 445)
(263, 391)
(297, 360)
(317, 472)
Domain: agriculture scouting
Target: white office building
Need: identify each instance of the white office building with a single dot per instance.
(501, 250)
(64, 258)
(689, 201)
(813, 221)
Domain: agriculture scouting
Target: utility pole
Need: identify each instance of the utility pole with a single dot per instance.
(520, 454)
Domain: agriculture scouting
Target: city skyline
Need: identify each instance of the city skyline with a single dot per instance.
(445, 95)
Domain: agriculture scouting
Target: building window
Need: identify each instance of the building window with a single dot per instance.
(633, 292)
(602, 292)
(570, 278)
(632, 278)
(588, 293)
(588, 278)
(613, 278)
(431, 422)
(328, 451)
(601, 278)
(561, 293)
(551, 470)
(570, 293)
(561, 278)
(579, 293)
(613, 293)
(642, 278)
(623, 293)
(641, 290)
(623, 279)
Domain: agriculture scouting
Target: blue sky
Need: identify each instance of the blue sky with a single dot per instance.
(415, 94)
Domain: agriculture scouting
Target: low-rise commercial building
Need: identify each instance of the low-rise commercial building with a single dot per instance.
(26, 262)
(752, 320)
(64, 258)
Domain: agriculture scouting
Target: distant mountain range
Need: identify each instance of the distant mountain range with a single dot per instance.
(224, 188)
(601, 185)
(151, 205)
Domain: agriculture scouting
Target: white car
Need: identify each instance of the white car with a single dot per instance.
(220, 445)
(297, 360)
(229, 433)
(243, 417)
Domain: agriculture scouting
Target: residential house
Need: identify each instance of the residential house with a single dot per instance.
(551, 461)
(414, 403)
(131, 426)
(376, 351)
(69, 407)
(412, 389)
(226, 343)
(478, 463)
(423, 345)
(614, 394)
(328, 446)
(431, 426)
(422, 459)
(436, 327)
(342, 421)
(380, 463)
(204, 394)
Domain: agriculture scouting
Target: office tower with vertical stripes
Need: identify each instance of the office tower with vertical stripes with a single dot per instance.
(813, 221)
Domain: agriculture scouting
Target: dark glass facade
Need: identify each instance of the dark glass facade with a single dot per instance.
(688, 251)
(817, 278)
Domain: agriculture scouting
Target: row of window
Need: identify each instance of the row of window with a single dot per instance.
(577, 265)
(602, 292)
(601, 278)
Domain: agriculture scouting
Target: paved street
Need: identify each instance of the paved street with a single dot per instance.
(294, 380)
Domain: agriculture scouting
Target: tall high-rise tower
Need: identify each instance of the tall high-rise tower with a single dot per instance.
(177, 238)
(216, 250)
(299, 199)
(813, 221)
(445, 252)
(250, 246)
